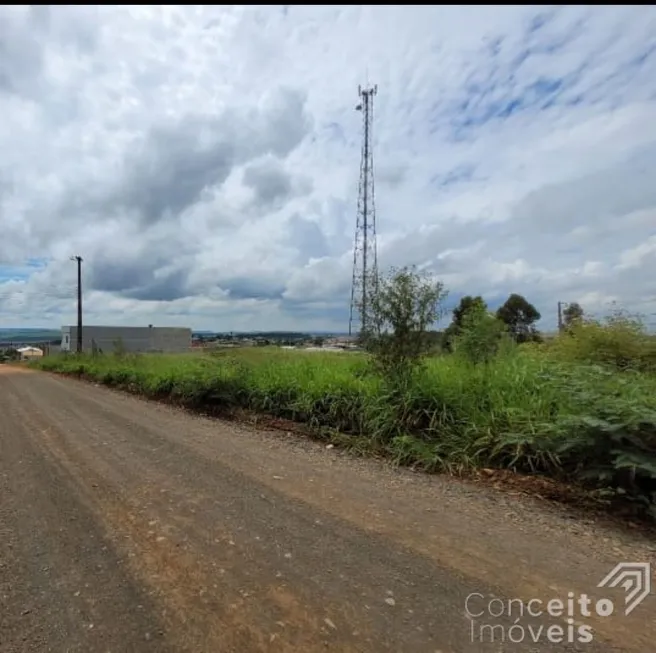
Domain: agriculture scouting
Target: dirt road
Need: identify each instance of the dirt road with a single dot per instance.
(130, 526)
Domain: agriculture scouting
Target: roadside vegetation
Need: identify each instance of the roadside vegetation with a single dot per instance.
(488, 393)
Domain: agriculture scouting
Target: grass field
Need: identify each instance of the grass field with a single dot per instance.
(528, 410)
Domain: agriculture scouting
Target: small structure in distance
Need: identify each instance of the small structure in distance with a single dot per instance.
(29, 353)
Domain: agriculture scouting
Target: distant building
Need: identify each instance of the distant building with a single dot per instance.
(107, 339)
(29, 353)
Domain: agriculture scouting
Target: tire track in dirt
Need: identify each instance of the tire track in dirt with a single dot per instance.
(518, 573)
(203, 516)
(158, 544)
(49, 600)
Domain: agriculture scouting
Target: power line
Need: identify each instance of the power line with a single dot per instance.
(38, 298)
(24, 288)
(43, 294)
(365, 256)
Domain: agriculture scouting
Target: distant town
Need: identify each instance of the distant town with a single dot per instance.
(266, 338)
(27, 343)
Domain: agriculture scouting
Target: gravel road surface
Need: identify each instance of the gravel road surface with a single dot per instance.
(130, 526)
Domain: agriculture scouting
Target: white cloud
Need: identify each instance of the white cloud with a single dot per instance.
(203, 160)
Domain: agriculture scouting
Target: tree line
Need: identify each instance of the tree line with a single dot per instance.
(516, 314)
(407, 304)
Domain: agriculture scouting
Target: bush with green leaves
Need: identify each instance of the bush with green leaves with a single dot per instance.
(406, 305)
(608, 438)
(619, 341)
(482, 335)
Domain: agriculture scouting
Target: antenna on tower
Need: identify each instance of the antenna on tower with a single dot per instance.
(365, 257)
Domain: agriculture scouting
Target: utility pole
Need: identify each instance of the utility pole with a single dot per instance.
(365, 260)
(78, 259)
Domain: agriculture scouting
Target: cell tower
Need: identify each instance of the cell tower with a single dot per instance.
(365, 258)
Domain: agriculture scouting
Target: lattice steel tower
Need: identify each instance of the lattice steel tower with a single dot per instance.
(365, 258)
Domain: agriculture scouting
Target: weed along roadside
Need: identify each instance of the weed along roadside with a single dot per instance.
(580, 409)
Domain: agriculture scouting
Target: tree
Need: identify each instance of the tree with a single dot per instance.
(520, 317)
(467, 304)
(465, 307)
(406, 305)
(572, 314)
(10, 354)
(481, 335)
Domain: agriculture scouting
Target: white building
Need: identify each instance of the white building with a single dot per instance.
(29, 353)
(107, 339)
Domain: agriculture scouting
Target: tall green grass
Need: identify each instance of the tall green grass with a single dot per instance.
(526, 410)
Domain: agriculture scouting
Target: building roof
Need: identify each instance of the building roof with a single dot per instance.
(25, 350)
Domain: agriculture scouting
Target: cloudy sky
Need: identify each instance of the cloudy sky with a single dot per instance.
(204, 160)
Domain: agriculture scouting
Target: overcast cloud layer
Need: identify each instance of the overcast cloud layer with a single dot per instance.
(204, 160)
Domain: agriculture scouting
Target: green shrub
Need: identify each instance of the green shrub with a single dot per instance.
(481, 337)
(619, 341)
